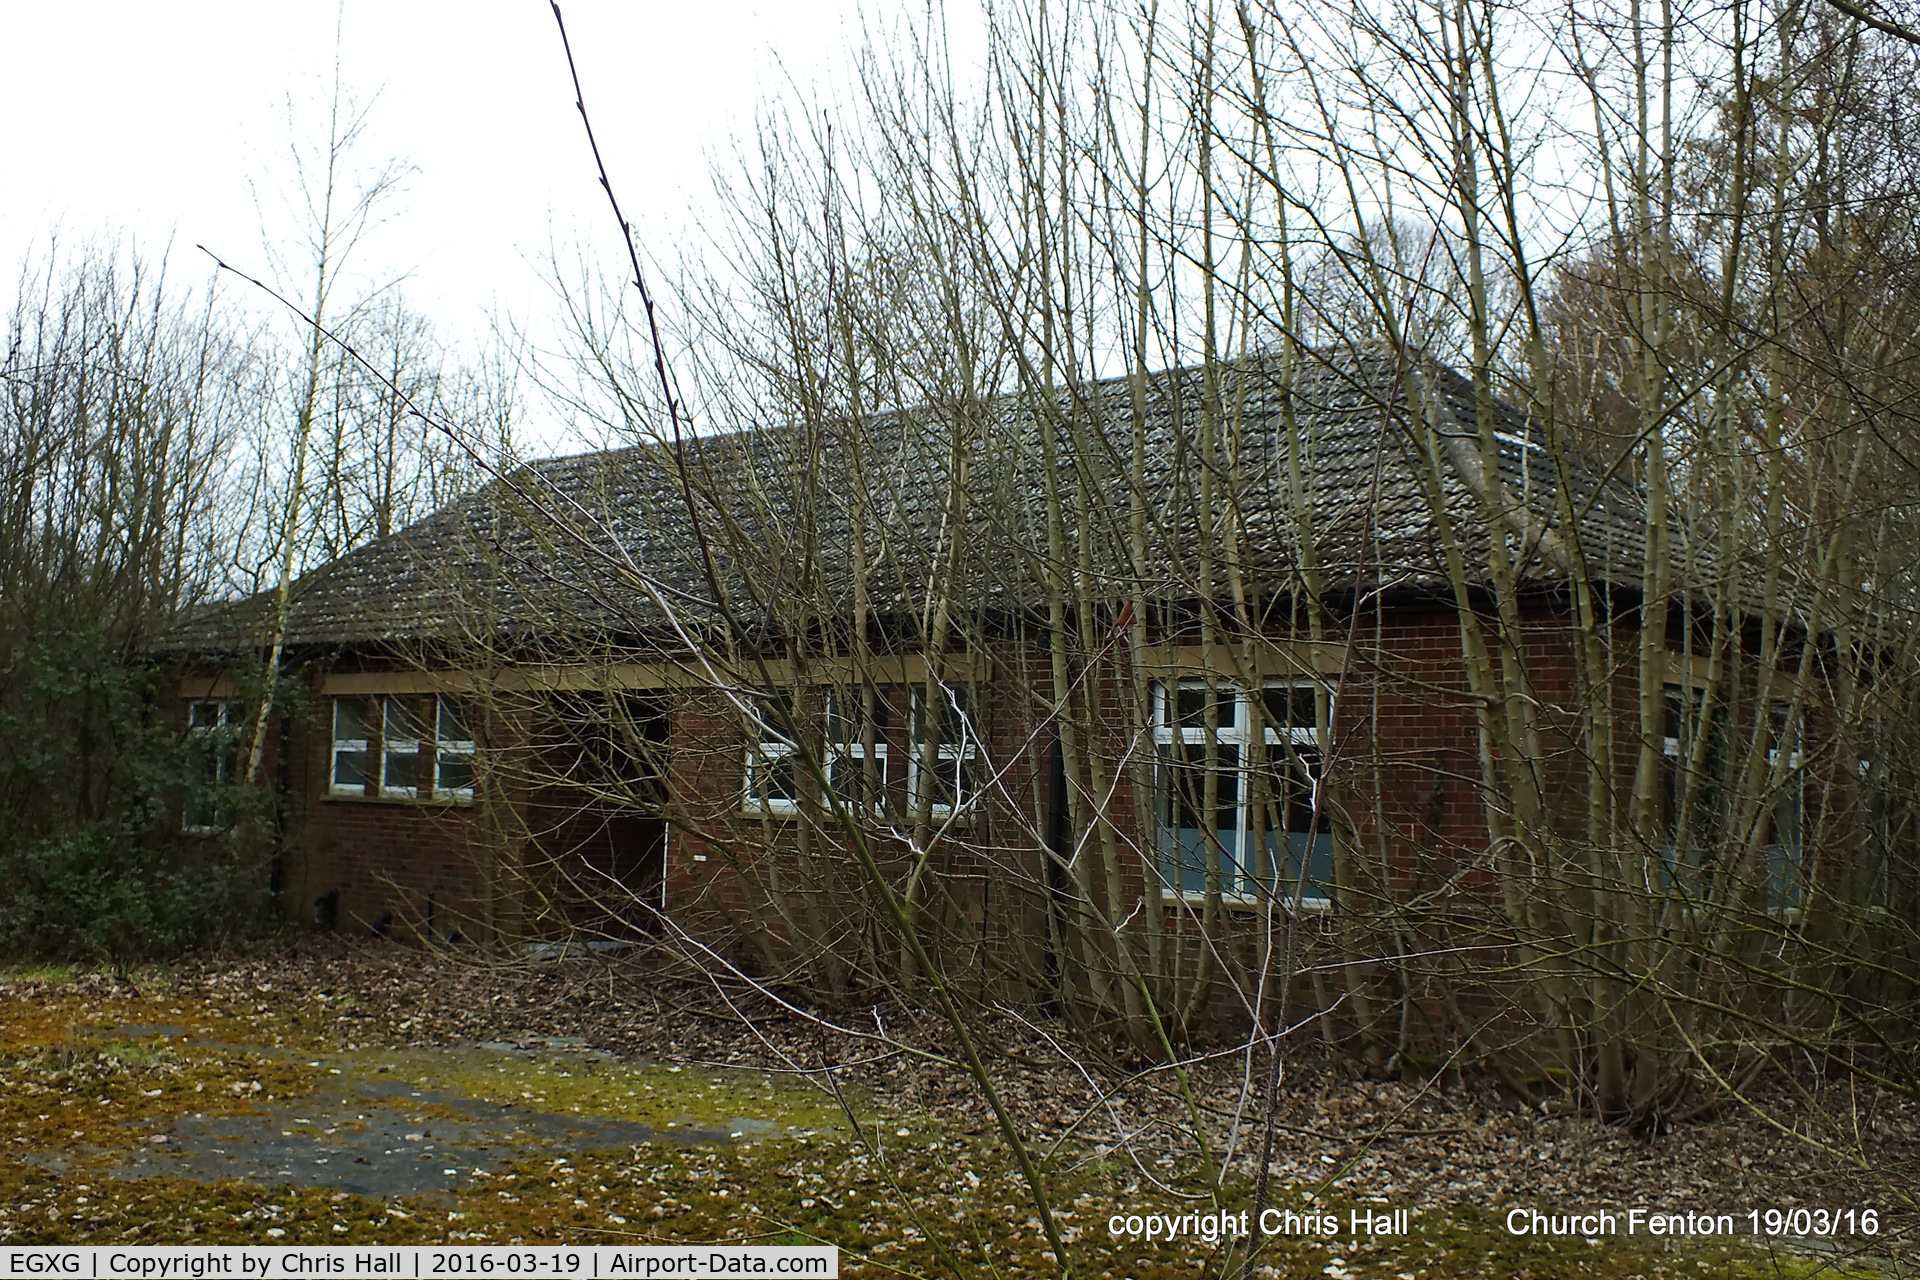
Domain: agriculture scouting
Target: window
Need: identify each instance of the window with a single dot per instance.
(453, 749)
(352, 739)
(1679, 725)
(1786, 888)
(213, 741)
(401, 730)
(1236, 795)
(947, 724)
(426, 747)
(773, 770)
(857, 758)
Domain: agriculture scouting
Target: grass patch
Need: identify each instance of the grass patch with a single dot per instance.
(661, 1095)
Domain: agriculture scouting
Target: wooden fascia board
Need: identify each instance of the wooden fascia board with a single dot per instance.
(545, 678)
(1274, 659)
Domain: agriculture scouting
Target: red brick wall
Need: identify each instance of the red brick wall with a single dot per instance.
(1405, 776)
(772, 892)
(429, 862)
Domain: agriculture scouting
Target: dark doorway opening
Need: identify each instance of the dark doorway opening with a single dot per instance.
(596, 813)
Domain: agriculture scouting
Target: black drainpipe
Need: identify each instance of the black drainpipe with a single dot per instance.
(1057, 853)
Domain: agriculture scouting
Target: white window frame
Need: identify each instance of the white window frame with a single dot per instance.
(455, 748)
(849, 749)
(390, 745)
(957, 756)
(1243, 886)
(348, 746)
(228, 714)
(767, 748)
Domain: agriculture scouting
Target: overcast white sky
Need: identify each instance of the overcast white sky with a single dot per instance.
(161, 121)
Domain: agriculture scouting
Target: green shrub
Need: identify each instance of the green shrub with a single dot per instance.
(98, 774)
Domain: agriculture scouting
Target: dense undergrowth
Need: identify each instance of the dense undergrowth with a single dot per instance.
(100, 781)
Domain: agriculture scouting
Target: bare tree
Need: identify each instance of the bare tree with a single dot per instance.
(337, 211)
(123, 406)
(1277, 527)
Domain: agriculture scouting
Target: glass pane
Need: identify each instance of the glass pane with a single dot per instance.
(1317, 852)
(1226, 787)
(456, 722)
(857, 780)
(402, 723)
(1786, 728)
(1197, 768)
(775, 717)
(1200, 781)
(350, 720)
(1289, 707)
(1783, 853)
(203, 763)
(1290, 791)
(937, 785)
(947, 720)
(1191, 703)
(1187, 851)
(783, 779)
(204, 715)
(847, 721)
(350, 769)
(843, 715)
(844, 776)
(400, 769)
(226, 760)
(1783, 877)
(774, 778)
(456, 771)
(1184, 857)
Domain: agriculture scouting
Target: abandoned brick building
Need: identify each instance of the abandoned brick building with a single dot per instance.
(1176, 649)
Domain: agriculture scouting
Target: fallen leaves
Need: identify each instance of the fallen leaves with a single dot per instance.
(928, 1172)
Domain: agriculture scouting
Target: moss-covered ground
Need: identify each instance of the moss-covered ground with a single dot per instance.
(92, 1084)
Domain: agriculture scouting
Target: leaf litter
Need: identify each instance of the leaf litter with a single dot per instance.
(113, 1088)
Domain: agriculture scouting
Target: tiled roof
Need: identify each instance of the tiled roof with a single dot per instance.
(599, 543)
